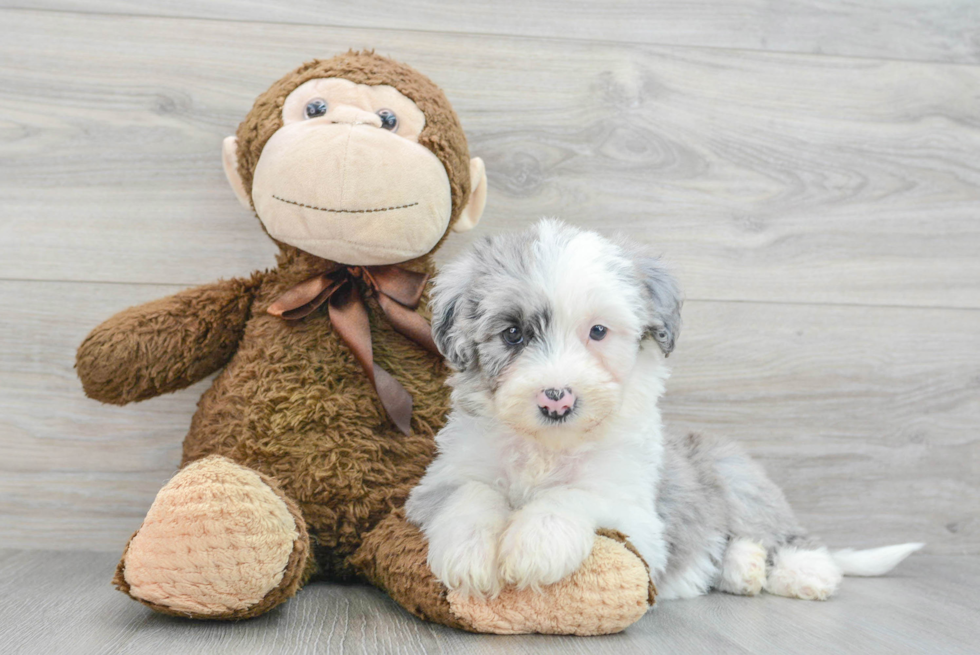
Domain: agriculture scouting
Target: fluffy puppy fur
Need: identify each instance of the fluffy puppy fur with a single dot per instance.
(555, 432)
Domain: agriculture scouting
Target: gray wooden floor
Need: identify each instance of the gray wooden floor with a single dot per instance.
(810, 168)
(56, 603)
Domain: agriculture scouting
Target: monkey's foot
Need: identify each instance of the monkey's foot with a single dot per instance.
(609, 592)
(220, 541)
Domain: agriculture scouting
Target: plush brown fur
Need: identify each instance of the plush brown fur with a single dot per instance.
(167, 344)
(292, 403)
(393, 558)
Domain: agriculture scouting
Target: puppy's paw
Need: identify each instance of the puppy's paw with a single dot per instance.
(806, 574)
(540, 549)
(467, 561)
(744, 570)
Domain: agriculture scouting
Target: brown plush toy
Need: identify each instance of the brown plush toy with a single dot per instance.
(302, 452)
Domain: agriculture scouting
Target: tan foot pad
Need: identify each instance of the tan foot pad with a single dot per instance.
(608, 593)
(216, 543)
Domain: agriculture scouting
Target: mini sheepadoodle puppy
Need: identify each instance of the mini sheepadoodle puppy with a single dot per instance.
(558, 337)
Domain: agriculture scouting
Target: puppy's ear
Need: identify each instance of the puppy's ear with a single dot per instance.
(664, 302)
(448, 297)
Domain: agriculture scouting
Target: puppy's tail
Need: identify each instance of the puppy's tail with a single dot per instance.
(874, 561)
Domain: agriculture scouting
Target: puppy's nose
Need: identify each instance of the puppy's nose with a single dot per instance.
(556, 403)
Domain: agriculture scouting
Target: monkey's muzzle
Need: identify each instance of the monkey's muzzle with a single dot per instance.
(351, 193)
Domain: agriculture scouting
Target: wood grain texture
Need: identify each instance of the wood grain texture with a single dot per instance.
(765, 177)
(62, 603)
(821, 212)
(868, 426)
(74, 474)
(929, 30)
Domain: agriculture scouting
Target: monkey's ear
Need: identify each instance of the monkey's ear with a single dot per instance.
(664, 302)
(473, 210)
(229, 158)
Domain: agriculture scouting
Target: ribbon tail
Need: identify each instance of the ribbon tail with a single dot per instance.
(349, 317)
(395, 399)
(408, 323)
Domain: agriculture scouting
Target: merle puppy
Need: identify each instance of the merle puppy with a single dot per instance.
(558, 337)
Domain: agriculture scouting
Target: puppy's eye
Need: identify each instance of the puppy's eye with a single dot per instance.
(316, 107)
(513, 336)
(598, 332)
(388, 120)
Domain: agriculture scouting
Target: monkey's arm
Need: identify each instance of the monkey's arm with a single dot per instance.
(166, 344)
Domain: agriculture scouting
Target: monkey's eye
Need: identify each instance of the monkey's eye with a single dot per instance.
(598, 332)
(388, 119)
(513, 336)
(316, 107)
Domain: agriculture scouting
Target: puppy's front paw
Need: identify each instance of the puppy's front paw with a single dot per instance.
(541, 549)
(467, 563)
(743, 571)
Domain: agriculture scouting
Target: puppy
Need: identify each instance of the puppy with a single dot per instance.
(558, 337)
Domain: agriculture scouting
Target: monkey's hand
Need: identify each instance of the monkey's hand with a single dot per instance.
(166, 344)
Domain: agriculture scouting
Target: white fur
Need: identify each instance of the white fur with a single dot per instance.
(555, 498)
(514, 499)
(806, 574)
(744, 570)
(463, 540)
(560, 483)
(874, 561)
(543, 544)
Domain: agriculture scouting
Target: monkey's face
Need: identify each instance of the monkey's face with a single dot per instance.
(346, 179)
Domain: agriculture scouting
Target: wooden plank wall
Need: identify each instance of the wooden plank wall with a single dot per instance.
(811, 172)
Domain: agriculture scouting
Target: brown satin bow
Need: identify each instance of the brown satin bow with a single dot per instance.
(398, 291)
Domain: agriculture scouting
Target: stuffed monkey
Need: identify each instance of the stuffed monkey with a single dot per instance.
(303, 450)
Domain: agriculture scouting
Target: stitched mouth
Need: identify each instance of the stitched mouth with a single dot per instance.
(344, 211)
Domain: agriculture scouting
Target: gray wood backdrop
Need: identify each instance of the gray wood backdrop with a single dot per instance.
(812, 172)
